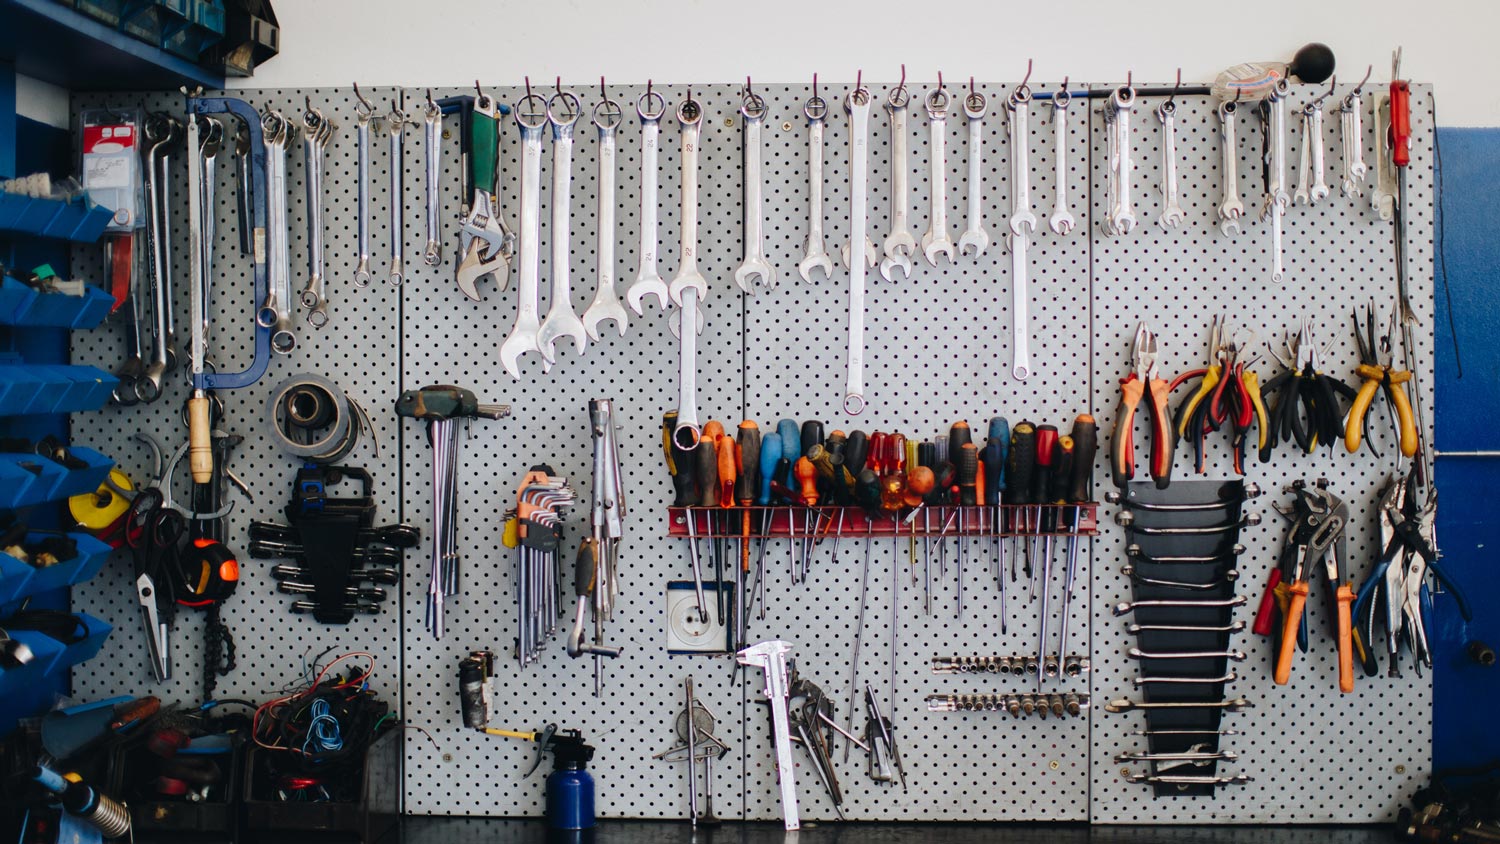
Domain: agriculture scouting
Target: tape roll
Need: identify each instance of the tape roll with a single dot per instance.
(312, 402)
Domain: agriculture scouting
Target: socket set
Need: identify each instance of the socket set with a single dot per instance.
(1071, 665)
(1018, 705)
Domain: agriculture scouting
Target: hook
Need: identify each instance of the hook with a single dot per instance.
(1026, 78)
(859, 79)
(815, 86)
(1176, 86)
(1129, 78)
(603, 94)
(972, 90)
(940, 80)
(648, 89)
(559, 86)
(749, 92)
(528, 86)
(478, 91)
(901, 86)
(369, 106)
(1065, 84)
(1361, 86)
(430, 104)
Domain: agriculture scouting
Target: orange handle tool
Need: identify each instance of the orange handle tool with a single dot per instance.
(1163, 437)
(807, 479)
(1122, 442)
(1345, 597)
(1298, 592)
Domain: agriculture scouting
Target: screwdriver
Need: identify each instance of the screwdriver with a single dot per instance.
(867, 495)
(944, 476)
(1059, 472)
(968, 470)
(708, 483)
(911, 543)
(729, 460)
(770, 456)
(959, 436)
(838, 493)
(1046, 439)
(1401, 144)
(810, 435)
(1021, 464)
(927, 459)
(791, 449)
(683, 467)
(996, 449)
(893, 488)
(919, 483)
(746, 484)
(1085, 436)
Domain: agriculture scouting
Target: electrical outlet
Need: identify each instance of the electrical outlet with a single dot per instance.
(689, 634)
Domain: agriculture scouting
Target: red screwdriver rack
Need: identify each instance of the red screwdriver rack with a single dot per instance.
(933, 521)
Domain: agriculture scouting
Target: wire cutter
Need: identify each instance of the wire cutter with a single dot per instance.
(1142, 379)
(1304, 385)
(1378, 374)
(1326, 517)
(1224, 393)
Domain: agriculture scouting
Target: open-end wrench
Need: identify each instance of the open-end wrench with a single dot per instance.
(1171, 210)
(1277, 198)
(488, 245)
(275, 313)
(755, 266)
(1303, 194)
(531, 119)
(975, 237)
(936, 241)
(563, 110)
(161, 133)
(364, 113)
(1020, 308)
(648, 281)
(899, 244)
(395, 124)
(432, 135)
(317, 131)
(1231, 209)
(1018, 118)
(1061, 220)
(606, 304)
(1314, 132)
(816, 110)
(857, 104)
(1352, 137)
(688, 287)
(1121, 218)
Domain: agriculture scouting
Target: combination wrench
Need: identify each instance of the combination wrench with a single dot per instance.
(606, 305)
(1231, 209)
(531, 119)
(162, 132)
(857, 104)
(275, 313)
(648, 281)
(899, 244)
(563, 110)
(396, 125)
(688, 287)
(432, 136)
(1314, 131)
(1061, 222)
(936, 241)
(1022, 223)
(1277, 198)
(364, 113)
(975, 237)
(317, 131)
(816, 110)
(1171, 211)
(1352, 137)
(755, 265)
(1018, 113)
(1120, 220)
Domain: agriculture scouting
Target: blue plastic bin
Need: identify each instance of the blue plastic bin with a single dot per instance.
(90, 558)
(46, 656)
(15, 299)
(19, 385)
(15, 579)
(88, 648)
(47, 478)
(88, 478)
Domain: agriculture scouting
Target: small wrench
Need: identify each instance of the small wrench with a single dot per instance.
(648, 281)
(936, 241)
(899, 244)
(816, 110)
(433, 145)
(1352, 134)
(975, 237)
(1277, 198)
(857, 104)
(531, 118)
(1061, 221)
(161, 132)
(1231, 209)
(1018, 112)
(1121, 218)
(690, 115)
(1171, 212)
(755, 265)
(1320, 190)
(275, 313)
(606, 304)
(563, 111)
(317, 131)
(396, 123)
(364, 113)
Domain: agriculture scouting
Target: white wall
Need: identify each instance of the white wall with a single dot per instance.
(451, 42)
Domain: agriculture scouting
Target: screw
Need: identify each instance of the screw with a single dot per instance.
(787, 126)
(728, 122)
(447, 135)
(447, 757)
(1054, 764)
(1125, 773)
(1400, 769)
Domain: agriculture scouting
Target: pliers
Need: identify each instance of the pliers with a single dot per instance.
(1304, 385)
(1143, 379)
(1324, 519)
(1226, 393)
(1378, 374)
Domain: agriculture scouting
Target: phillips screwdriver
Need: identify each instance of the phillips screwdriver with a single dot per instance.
(926, 459)
(968, 470)
(707, 456)
(996, 448)
(911, 543)
(893, 489)
(770, 456)
(838, 492)
(1085, 436)
(683, 466)
(811, 435)
(746, 483)
(1021, 465)
(1046, 442)
(791, 449)
(1060, 474)
(729, 462)
(806, 476)
(959, 436)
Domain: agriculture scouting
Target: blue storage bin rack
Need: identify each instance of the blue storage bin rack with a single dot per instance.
(46, 478)
(27, 389)
(91, 557)
(15, 579)
(87, 649)
(27, 480)
(46, 655)
(77, 220)
(22, 306)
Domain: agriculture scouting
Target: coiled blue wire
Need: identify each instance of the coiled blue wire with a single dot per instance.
(324, 729)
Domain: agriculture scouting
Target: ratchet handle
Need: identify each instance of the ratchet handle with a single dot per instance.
(484, 143)
(200, 441)
(1400, 122)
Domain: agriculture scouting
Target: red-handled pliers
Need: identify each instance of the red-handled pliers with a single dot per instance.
(1142, 381)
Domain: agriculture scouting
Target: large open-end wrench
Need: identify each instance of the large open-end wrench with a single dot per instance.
(936, 241)
(816, 110)
(771, 658)
(395, 124)
(688, 287)
(275, 312)
(1171, 210)
(1018, 114)
(606, 304)
(754, 266)
(857, 104)
(648, 281)
(1352, 138)
(899, 244)
(1277, 198)
(531, 119)
(317, 131)
(432, 137)
(1231, 209)
(1061, 221)
(364, 113)
(488, 245)
(975, 237)
(563, 110)
(161, 133)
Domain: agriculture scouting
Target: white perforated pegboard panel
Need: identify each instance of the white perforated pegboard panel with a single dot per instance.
(358, 350)
(1316, 756)
(937, 350)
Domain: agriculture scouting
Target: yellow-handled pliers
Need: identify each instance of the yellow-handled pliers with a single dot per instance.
(1378, 375)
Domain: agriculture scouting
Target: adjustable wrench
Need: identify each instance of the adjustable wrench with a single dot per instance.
(1061, 220)
(936, 242)
(317, 131)
(561, 321)
(531, 118)
(161, 132)
(857, 104)
(1277, 198)
(1352, 136)
(364, 112)
(1018, 112)
(487, 244)
(1121, 218)
(648, 281)
(275, 313)
(688, 287)
(755, 265)
(899, 244)
(396, 124)
(432, 124)
(816, 110)
(975, 237)
(1171, 212)
(606, 304)
(1231, 209)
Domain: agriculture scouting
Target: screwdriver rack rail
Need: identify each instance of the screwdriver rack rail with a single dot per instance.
(930, 522)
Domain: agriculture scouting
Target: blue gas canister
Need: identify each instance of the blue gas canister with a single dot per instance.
(570, 787)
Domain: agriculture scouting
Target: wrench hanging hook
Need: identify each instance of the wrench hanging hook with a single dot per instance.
(1171, 104)
(1359, 89)
(1019, 88)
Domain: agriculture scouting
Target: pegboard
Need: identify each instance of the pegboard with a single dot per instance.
(781, 354)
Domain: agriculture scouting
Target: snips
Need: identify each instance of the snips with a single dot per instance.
(1226, 391)
(1307, 403)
